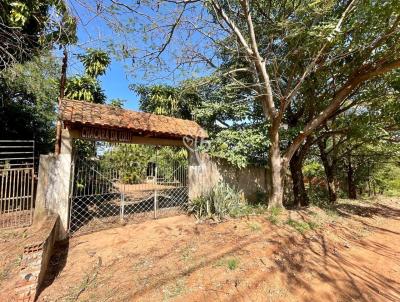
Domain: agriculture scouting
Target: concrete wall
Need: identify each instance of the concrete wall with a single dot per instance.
(205, 172)
(53, 188)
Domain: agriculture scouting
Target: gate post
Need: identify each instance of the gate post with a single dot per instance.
(53, 189)
(122, 207)
(155, 192)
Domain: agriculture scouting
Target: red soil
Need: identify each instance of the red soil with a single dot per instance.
(351, 256)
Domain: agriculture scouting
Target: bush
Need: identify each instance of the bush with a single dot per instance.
(222, 201)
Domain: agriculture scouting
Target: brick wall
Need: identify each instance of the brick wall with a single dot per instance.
(35, 259)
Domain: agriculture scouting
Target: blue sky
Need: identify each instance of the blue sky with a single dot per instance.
(94, 32)
(116, 81)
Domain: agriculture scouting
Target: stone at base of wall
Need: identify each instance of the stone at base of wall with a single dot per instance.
(35, 259)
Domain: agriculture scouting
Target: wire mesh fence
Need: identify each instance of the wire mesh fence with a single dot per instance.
(122, 184)
(17, 183)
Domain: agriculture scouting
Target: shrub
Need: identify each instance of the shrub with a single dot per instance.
(222, 201)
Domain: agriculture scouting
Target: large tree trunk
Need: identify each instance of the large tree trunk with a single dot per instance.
(351, 187)
(329, 168)
(276, 169)
(299, 189)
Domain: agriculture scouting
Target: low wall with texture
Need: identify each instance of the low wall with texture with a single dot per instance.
(205, 172)
(35, 259)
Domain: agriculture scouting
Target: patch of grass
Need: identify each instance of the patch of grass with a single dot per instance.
(313, 225)
(254, 226)
(249, 209)
(275, 211)
(273, 219)
(273, 216)
(187, 253)
(302, 226)
(331, 212)
(232, 264)
(174, 290)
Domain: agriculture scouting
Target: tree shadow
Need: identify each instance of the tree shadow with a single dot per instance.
(294, 255)
(367, 211)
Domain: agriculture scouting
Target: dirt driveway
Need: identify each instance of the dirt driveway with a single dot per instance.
(351, 254)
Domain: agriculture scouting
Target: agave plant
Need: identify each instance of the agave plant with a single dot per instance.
(222, 201)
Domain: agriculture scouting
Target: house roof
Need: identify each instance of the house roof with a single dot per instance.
(83, 113)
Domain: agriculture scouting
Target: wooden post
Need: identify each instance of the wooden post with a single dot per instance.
(63, 81)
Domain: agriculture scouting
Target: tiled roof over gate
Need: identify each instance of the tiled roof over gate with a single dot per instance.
(96, 115)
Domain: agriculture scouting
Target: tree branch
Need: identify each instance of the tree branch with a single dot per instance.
(362, 74)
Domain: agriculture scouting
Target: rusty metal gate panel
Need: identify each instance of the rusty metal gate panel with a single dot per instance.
(17, 182)
(107, 192)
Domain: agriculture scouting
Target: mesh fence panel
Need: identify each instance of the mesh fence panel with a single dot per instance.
(110, 190)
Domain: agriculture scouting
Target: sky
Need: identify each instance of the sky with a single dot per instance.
(116, 81)
(94, 32)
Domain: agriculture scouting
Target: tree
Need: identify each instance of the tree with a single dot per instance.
(28, 27)
(280, 45)
(28, 97)
(237, 133)
(359, 137)
(87, 86)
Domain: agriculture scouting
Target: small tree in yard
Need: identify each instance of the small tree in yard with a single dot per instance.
(279, 45)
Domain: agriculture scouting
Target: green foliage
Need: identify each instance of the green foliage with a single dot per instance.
(240, 147)
(231, 263)
(28, 94)
(387, 178)
(165, 100)
(132, 161)
(313, 169)
(235, 130)
(95, 62)
(119, 103)
(85, 88)
(32, 26)
(222, 201)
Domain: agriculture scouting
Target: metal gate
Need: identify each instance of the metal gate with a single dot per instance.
(110, 188)
(17, 176)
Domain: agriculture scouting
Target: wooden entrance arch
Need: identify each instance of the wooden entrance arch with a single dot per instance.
(96, 122)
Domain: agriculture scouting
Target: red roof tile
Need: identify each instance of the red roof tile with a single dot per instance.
(90, 114)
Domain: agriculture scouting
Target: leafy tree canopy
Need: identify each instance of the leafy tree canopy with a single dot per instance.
(26, 27)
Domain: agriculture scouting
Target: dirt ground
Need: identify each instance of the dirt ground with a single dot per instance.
(348, 254)
(12, 243)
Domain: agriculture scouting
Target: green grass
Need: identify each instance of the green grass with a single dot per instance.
(273, 216)
(302, 226)
(275, 211)
(254, 226)
(232, 264)
(273, 219)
